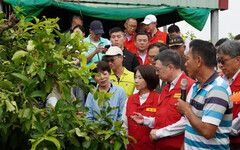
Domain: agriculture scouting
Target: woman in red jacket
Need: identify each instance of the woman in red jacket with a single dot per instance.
(144, 102)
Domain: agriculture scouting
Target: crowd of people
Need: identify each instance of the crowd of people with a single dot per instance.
(144, 71)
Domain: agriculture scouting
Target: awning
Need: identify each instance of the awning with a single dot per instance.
(196, 17)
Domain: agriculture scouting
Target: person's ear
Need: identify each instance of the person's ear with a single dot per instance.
(199, 61)
(238, 60)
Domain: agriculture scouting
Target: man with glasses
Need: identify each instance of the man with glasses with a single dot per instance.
(155, 35)
(120, 76)
(153, 50)
(130, 33)
(168, 124)
(229, 62)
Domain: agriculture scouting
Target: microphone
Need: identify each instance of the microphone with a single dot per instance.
(183, 89)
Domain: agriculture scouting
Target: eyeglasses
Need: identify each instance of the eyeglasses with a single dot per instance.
(223, 61)
(112, 60)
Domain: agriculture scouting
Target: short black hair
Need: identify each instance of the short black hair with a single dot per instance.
(237, 37)
(141, 33)
(204, 49)
(168, 57)
(80, 27)
(160, 46)
(148, 72)
(173, 28)
(101, 66)
(115, 29)
(220, 41)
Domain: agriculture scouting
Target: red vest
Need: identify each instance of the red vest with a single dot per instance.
(146, 62)
(159, 37)
(167, 114)
(235, 88)
(139, 132)
(130, 45)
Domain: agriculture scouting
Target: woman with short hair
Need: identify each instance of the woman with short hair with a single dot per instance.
(144, 102)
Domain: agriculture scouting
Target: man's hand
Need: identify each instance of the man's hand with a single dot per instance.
(153, 135)
(182, 106)
(99, 49)
(137, 118)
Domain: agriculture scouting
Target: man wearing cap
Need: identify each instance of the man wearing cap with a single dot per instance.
(155, 35)
(130, 33)
(96, 50)
(229, 62)
(120, 76)
(174, 30)
(176, 43)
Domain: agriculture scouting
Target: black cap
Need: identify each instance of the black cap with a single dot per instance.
(176, 40)
(96, 26)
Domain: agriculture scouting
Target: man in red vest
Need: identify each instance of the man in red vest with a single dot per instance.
(130, 33)
(141, 42)
(155, 35)
(229, 62)
(168, 124)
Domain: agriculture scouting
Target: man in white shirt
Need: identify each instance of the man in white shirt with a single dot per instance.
(167, 123)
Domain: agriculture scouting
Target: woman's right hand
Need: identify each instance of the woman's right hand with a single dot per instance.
(137, 118)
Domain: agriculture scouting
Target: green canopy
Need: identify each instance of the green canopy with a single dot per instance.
(196, 17)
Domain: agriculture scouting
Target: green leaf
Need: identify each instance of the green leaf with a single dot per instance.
(67, 93)
(21, 76)
(49, 85)
(38, 93)
(26, 112)
(6, 85)
(107, 136)
(74, 140)
(41, 73)
(59, 104)
(35, 144)
(117, 145)
(19, 54)
(9, 106)
(51, 130)
(94, 145)
(54, 140)
(39, 127)
(83, 59)
(79, 133)
(86, 144)
(1, 112)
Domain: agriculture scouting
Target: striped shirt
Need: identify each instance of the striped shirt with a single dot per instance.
(212, 105)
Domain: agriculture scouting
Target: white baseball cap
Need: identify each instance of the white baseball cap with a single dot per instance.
(149, 19)
(113, 51)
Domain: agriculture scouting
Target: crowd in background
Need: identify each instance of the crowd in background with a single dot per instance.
(145, 72)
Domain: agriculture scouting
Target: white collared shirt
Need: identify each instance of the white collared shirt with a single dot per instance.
(174, 82)
(143, 57)
(233, 78)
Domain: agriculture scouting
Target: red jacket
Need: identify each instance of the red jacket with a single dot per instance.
(235, 88)
(146, 62)
(139, 132)
(130, 45)
(167, 114)
(159, 37)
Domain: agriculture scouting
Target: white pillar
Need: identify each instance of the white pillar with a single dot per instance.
(214, 26)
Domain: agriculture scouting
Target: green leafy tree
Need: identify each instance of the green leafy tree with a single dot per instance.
(31, 64)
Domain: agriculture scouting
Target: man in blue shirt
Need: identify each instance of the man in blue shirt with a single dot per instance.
(97, 48)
